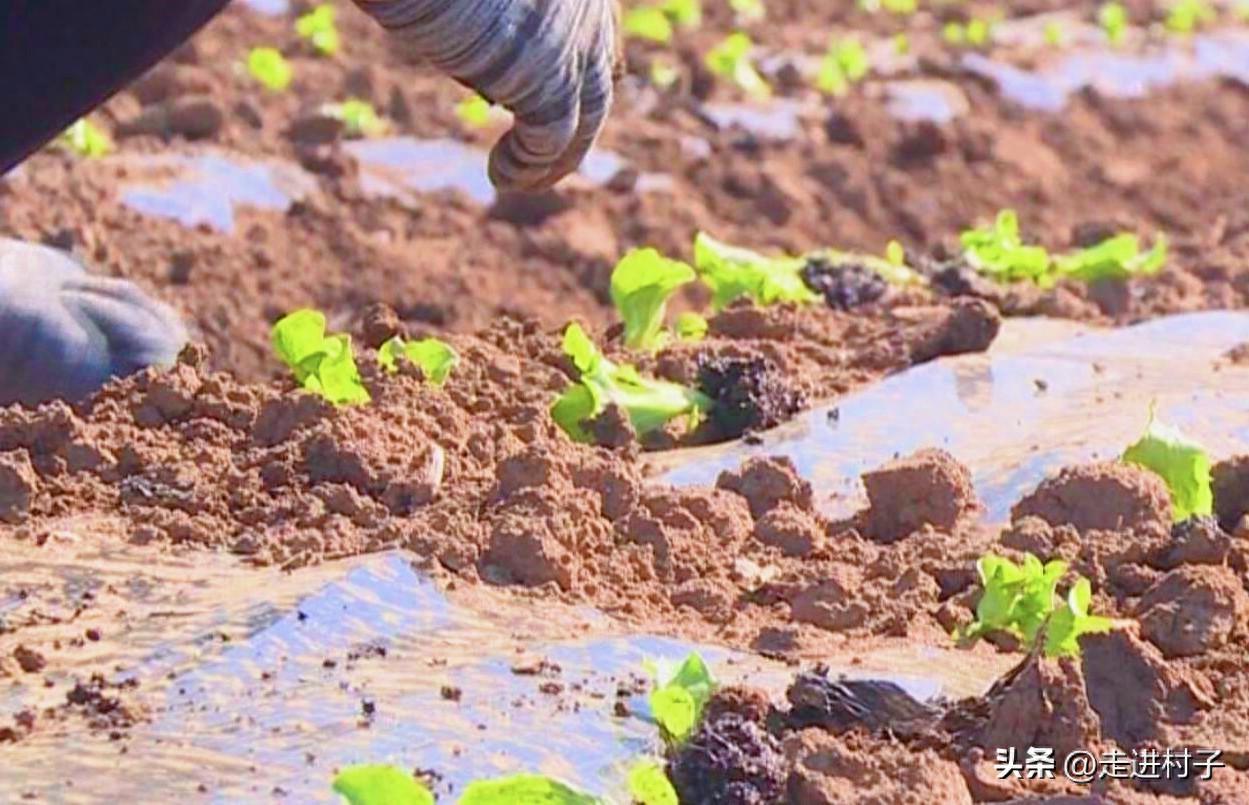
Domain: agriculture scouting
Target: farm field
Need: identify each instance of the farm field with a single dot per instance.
(869, 411)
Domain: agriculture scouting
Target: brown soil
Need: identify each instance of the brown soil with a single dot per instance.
(476, 479)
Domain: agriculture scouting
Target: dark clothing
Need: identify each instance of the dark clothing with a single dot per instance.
(61, 58)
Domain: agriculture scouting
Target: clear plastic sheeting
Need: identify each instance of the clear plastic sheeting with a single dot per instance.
(1032, 405)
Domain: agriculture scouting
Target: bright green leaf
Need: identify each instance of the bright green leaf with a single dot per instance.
(895, 253)
(649, 23)
(1181, 462)
(649, 403)
(270, 68)
(686, 13)
(377, 784)
(1071, 621)
(844, 63)
(436, 358)
(732, 272)
(86, 140)
(999, 253)
(677, 702)
(649, 785)
(319, 28)
(731, 60)
(1054, 36)
(641, 284)
(1113, 19)
(523, 789)
(1186, 16)
(691, 327)
(322, 364)
(359, 117)
(1116, 258)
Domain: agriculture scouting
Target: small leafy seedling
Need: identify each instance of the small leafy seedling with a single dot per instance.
(679, 698)
(436, 358)
(519, 789)
(86, 139)
(999, 252)
(1186, 16)
(270, 68)
(686, 13)
(1019, 599)
(1116, 258)
(641, 285)
(1054, 34)
(475, 112)
(1181, 462)
(1113, 19)
(319, 28)
(380, 784)
(649, 403)
(844, 63)
(733, 272)
(732, 61)
(649, 23)
(649, 785)
(359, 118)
(322, 364)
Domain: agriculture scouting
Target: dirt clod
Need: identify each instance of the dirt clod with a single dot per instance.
(1192, 610)
(1101, 497)
(929, 488)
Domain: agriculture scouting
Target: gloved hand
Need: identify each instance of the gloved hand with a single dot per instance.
(552, 62)
(64, 333)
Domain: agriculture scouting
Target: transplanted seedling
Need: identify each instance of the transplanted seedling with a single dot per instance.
(733, 272)
(319, 28)
(641, 285)
(380, 784)
(1181, 462)
(1186, 16)
(649, 23)
(1019, 599)
(1117, 258)
(359, 118)
(844, 63)
(1000, 253)
(323, 364)
(270, 68)
(649, 403)
(679, 697)
(691, 326)
(732, 60)
(436, 358)
(86, 139)
(519, 789)
(1113, 19)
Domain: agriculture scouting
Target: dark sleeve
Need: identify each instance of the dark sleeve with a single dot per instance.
(61, 58)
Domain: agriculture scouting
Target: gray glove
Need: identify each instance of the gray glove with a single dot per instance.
(552, 62)
(64, 333)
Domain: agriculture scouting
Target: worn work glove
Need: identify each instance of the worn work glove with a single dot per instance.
(64, 333)
(551, 62)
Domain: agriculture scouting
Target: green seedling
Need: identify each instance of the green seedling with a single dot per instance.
(436, 358)
(322, 364)
(1116, 258)
(998, 252)
(359, 118)
(731, 60)
(1072, 621)
(691, 327)
(895, 254)
(86, 139)
(649, 403)
(679, 698)
(649, 785)
(1019, 599)
(1113, 19)
(844, 63)
(1178, 460)
(686, 13)
(378, 784)
(1055, 37)
(901, 44)
(641, 285)
(649, 23)
(975, 33)
(748, 10)
(318, 27)
(1186, 16)
(733, 272)
(899, 7)
(270, 68)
